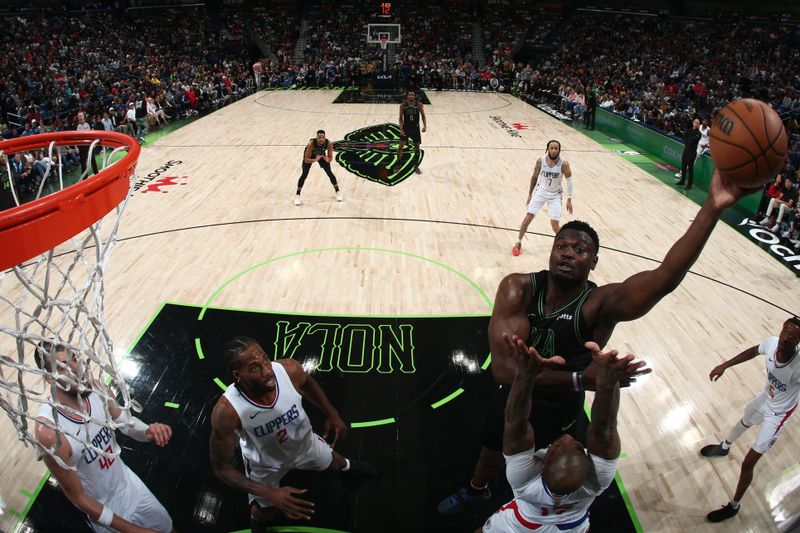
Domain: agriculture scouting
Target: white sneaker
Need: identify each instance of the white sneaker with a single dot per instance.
(678, 175)
(774, 229)
(339, 197)
(764, 221)
(297, 200)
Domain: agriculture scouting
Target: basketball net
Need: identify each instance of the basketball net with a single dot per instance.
(384, 39)
(56, 300)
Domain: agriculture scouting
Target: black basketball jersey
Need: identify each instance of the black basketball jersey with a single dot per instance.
(562, 332)
(317, 149)
(410, 116)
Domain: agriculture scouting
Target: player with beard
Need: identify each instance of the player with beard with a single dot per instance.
(557, 311)
(111, 495)
(264, 409)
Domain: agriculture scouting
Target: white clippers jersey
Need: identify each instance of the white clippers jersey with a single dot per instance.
(550, 177)
(100, 477)
(536, 503)
(783, 381)
(704, 130)
(272, 436)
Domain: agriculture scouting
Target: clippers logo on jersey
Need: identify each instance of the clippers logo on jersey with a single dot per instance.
(371, 153)
(776, 382)
(102, 440)
(277, 423)
(551, 175)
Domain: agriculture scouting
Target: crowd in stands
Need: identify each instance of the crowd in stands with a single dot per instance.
(664, 71)
(53, 66)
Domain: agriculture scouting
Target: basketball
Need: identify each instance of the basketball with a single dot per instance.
(748, 142)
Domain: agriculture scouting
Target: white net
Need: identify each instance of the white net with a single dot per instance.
(54, 346)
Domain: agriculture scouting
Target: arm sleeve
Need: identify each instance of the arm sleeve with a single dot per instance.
(569, 187)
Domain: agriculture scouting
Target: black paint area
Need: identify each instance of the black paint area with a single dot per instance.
(423, 456)
(374, 95)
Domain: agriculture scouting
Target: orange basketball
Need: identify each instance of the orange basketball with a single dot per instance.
(748, 142)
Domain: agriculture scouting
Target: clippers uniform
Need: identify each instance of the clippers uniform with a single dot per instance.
(703, 145)
(548, 189)
(535, 508)
(776, 403)
(277, 438)
(109, 481)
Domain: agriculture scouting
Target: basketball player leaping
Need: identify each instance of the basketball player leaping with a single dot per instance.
(411, 111)
(111, 495)
(264, 408)
(555, 486)
(318, 150)
(557, 311)
(546, 188)
(771, 408)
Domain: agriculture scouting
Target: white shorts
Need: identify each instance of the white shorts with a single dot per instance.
(137, 505)
(772, 423)
(508, 520)
(703, 149)
(317, 458)
(553, 201)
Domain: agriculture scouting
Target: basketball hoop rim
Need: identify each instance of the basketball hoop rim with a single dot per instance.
(30, 229)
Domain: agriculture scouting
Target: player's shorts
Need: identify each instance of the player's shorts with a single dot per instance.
(548, 423)
(413, 134)
(703, 149)
(317, 458)
(137, 505)
(508, 519)
(757, 412)
(553, 201)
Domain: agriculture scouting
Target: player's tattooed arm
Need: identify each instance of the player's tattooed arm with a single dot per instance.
(536, 171)
(222, 449)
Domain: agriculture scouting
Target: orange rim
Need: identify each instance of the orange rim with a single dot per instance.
(30, 229)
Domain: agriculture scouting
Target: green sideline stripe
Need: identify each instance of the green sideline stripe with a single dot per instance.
(371, 423)
(447, 398)
(172, 405)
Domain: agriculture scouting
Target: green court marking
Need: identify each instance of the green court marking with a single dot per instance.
(14, 512)
(473, 284)
(294, 529)
(25, 493)
(198, 348)
(627, 499)
(373, 423)
(623, 456)
(220, 384)
(486, 363)
(172, 405)
(446, 399)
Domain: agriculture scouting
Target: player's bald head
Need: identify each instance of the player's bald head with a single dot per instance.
(566, 471)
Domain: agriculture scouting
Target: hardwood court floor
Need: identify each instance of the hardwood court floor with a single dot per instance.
(233, 209)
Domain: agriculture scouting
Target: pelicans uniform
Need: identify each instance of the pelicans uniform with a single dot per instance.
(277, 438)
(107, 480)
(548, 189)
(776, 403)
(535, 508)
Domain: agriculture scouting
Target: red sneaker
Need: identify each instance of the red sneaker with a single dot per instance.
(516, 249)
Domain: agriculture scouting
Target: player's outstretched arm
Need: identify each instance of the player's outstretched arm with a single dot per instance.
(634, 297)
(518, 433)
(158, 434)
(310, 389)
(602, 437)
(71, 484)
(720, 369)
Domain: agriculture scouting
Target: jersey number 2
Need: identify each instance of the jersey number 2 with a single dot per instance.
(283, 436)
